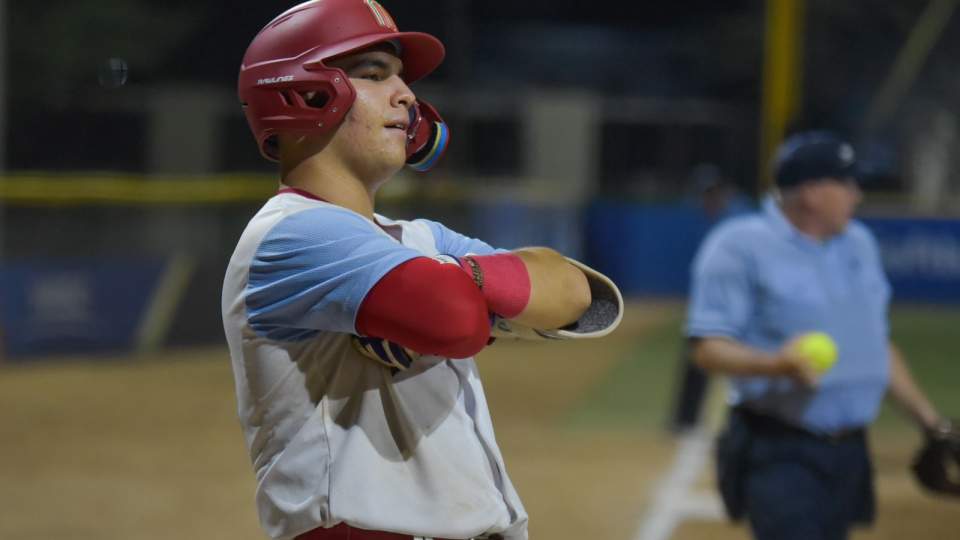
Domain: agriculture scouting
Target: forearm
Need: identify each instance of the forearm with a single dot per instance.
(559, 292)
(907, 394)
(426, 306)
(729, 357)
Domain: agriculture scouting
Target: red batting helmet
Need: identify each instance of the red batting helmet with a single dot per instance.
(286, 60)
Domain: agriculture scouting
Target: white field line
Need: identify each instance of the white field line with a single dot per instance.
(673, 498)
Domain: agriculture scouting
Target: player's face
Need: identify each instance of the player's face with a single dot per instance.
(373, 136)
(834, 200)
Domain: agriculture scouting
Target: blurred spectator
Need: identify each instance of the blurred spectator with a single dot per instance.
(718, 198)
(716, 195)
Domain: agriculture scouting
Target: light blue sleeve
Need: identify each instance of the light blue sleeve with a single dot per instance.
(312, 271)
(721, 293)
(450, 242)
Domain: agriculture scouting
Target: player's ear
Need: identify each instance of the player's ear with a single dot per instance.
(286, 145)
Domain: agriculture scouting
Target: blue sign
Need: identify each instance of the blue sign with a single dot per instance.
(921, 257)
(645, 249)
(648, 250)
(67, 307)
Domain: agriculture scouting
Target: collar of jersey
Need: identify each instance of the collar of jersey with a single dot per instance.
(388, 226)
(301, 192)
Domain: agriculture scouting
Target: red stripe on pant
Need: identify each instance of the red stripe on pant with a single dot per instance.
(346, 532)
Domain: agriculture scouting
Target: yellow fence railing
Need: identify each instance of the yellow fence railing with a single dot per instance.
(110, 188)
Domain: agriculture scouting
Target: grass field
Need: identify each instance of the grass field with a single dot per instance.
(928, 335)
(149, 447)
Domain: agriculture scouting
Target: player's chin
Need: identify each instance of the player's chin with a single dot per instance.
(396, 155)
(390, 163)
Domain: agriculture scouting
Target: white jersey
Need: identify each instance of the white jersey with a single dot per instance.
(334, 436)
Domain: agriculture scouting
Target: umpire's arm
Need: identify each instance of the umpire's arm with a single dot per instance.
(907, 394)
(727, 356)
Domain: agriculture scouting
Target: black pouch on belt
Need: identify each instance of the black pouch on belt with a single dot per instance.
(732, 449)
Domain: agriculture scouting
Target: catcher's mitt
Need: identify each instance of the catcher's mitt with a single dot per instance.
(937, 464)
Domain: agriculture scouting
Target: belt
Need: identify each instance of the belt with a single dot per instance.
(346, 532)
(768, 424)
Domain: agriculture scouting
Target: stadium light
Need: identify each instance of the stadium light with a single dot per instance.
(3, 110)
(782, 78)
(3, 86)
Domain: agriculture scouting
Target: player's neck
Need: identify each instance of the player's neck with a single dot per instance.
(332, 184)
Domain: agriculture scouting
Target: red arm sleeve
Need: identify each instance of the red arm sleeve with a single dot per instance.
(429, 307)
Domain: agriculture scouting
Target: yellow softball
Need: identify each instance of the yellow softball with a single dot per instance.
(820, 349)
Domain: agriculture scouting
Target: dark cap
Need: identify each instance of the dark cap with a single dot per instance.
(812, 155)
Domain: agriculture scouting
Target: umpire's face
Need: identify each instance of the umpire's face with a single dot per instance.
(833, 201)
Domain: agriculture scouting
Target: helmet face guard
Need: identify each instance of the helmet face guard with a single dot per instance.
(285, 61)
(427, 137)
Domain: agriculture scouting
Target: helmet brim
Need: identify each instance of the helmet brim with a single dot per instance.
(421, 53)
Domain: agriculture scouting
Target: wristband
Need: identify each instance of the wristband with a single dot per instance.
(503, 280)
(475, 271)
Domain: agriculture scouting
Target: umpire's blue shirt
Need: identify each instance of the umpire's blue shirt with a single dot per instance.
(758, 280)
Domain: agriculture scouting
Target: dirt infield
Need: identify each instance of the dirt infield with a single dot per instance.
(150, 448)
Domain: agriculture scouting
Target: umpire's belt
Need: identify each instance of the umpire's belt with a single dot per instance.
(346, 532)
(768, 425)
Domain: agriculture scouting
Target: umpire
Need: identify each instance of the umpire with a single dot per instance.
(794, 457)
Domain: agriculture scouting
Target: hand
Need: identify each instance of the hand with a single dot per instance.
(790, 363)
(934, 424)
(945, 429)
(385, 352)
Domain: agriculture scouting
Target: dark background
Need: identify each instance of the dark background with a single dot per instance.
(666, 50)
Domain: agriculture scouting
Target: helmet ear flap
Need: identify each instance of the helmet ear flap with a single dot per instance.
(427, 137)
(290, 98)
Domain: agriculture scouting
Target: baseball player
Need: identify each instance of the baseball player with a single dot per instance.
(352, 335)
